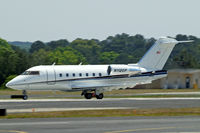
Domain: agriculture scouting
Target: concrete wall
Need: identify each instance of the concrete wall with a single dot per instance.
(179, 79)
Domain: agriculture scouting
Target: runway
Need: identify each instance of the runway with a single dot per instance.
(187, 124)
(115, 103)
(101, 124)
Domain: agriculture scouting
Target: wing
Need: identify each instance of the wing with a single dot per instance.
(112, 83)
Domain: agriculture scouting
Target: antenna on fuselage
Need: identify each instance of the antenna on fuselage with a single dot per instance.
(53, 64)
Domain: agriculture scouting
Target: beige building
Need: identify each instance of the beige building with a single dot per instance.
(176, 79)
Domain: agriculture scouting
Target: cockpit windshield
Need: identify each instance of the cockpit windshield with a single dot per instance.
(31, 73)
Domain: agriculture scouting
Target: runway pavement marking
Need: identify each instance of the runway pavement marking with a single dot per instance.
(12, 131)
(151, 129)
(32, 123)
(30, 110)
(105, 99)
(142, 129)
(170, 93)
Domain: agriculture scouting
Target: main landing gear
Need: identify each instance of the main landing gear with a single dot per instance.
(24, 96)
(90, 95)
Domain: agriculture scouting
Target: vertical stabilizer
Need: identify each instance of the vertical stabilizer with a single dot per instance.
(157, 55)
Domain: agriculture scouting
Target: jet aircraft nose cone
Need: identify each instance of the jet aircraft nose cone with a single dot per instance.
(11, 84)
(17, 83)
(8, 84)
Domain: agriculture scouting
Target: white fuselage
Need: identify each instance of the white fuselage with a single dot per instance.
(79, 77)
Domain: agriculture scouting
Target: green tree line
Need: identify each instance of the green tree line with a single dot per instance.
(121, 48)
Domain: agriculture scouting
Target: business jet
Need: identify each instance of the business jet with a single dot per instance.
(93, 80)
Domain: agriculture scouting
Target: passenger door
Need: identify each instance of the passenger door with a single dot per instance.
(51, 76)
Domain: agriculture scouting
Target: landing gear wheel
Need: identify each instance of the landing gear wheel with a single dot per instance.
(100, 96)
(25, 97)
(88, 95)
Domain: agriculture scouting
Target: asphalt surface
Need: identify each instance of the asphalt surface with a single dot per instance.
(137, 103)
(55, 95)
(187, 124)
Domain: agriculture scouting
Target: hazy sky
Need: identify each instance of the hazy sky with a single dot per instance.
(46, 20)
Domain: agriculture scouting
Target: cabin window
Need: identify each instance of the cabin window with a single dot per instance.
(67, 75)
(93, 74)
(87, 74)
(73, 74)
(100, 74)
(25, 73)
(80, 74)
(34, 73)
(60, 74)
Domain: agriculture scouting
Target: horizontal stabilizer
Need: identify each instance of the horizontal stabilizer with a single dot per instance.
(185, 41)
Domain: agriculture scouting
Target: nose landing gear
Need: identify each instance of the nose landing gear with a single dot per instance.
(24, 96)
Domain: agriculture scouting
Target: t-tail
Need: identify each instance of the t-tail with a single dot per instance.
(157, 55)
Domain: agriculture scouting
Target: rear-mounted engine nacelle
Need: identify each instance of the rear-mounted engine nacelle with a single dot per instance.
(122, 69)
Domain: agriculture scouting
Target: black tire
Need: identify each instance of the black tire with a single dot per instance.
(25, 97)
(88, 95)
(100, 96)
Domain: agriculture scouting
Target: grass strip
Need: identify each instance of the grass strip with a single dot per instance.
(110, 113)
